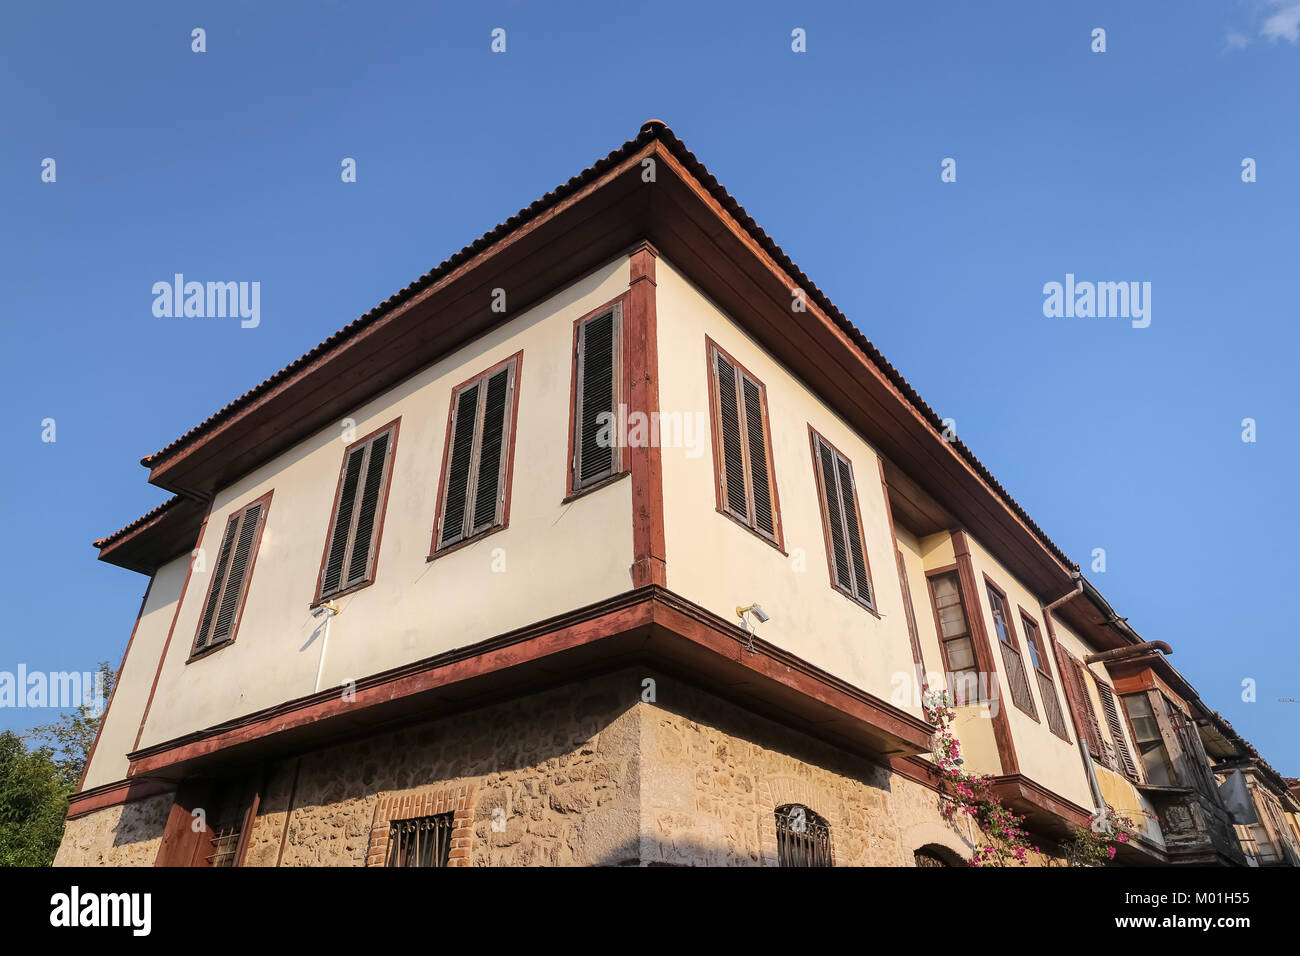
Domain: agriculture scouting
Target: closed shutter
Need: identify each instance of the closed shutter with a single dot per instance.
(1076, 686)
(596, 390)
(746, 483)
(354, 529)
(839, 495)
(477, 469)
(230, 577)
(1116, 725)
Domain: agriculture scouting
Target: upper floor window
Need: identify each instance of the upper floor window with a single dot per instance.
(230, 576)
(841, 522)
(1156, 765)
(597, 391)
(742, 452)
(1076, 689)
(356, 525)
(1011, 659)
(474, 496)
(1043, 670)
(954, 637)
(802, 837)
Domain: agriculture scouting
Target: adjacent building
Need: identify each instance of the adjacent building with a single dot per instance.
(611, 541)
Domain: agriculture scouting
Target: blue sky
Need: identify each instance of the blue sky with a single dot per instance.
(1115, 166)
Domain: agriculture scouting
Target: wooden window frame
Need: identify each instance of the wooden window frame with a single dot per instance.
(1171, 769)
(622, 469)
(1075, 675)
(381, 508)
(510, 427)
(1012, 645)
(969, 636)
(214, 592)
(1117, 731)
(869, 603)
(719, 471)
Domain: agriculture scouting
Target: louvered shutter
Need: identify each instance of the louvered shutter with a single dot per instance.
(1077, 687)
(230, 577)
(464, 422)
(733, 454)
(489, 490)
(839, 492)
(368, 504)
(596, 390)
(335, 561)
(1111, 707)
(218, 578)
(756, 436)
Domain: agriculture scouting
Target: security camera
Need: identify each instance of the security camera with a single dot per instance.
(760, 614)
(321, 610)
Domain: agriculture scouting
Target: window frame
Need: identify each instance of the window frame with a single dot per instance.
(869, 603)
(1171, 771)
(509, 434)
(572, 489)
(236, 514)
(381, 508)
(968, 636)
(1012, 644)
(1034, 643)
(719, 470)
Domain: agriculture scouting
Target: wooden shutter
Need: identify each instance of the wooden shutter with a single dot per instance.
(473, 495)
(845, 546)
(230, 577)
(1076, 688)
(358, 513)
(1116, 725)
(746, 484)
(596, 394)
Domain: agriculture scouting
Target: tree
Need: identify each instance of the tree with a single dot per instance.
(33, 802)
(71, 736)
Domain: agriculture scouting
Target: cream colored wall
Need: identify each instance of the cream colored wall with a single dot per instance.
(1042, 755)
(719, 565)
(557, 557)
(139, 665)
(973, 726)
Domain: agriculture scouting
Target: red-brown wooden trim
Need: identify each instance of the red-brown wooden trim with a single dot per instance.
(247, 585)
(984, 652)
(1015, 645)
(948, 669)
(715, 427)
(708, 641)
(372, 570)
(518, 359)
(115, 794)
(622, 466)
(81, 780)
(641, 386)
(909, 609)
(180, 602)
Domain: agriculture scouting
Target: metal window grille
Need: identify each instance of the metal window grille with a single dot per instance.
(225, 841)
(802, 837)
(423, 841)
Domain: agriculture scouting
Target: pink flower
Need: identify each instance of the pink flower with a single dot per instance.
(1123, 838)
(1110, 852)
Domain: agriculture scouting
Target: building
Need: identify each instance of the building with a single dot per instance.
(410, 604)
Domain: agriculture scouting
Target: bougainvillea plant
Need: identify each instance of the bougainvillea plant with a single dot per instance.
(1096, 845)
(971, 795)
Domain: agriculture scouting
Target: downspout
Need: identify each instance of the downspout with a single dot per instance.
(1124, 653)
(1098, 803)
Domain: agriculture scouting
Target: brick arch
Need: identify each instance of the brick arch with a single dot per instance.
(778, 791)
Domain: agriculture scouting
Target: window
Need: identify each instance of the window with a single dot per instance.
(424, 841)
(1076, 689)
(954, 637)
(742, 454)
(841, 522)
(234, 802)
(597, 390)
(1043, 670)
(1152, 752)
(802, 837)
(352, 544)
(474, 497)
(230, 577)
(1016, 676)
(1123, 756)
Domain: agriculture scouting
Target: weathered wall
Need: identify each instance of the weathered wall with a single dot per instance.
(126, 835)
